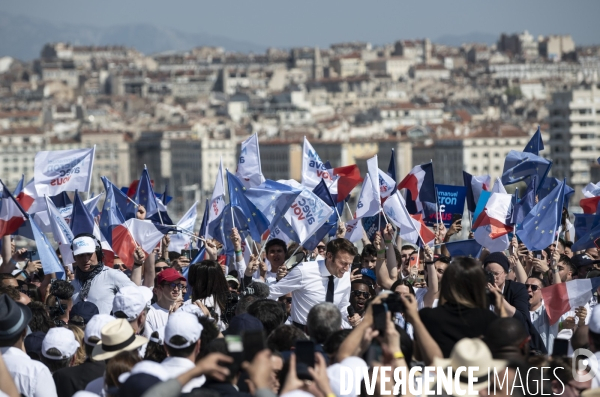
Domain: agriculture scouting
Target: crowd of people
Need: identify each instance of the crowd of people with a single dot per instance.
(167, 327)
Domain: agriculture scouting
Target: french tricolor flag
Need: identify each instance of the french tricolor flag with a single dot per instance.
(563, 297)
(475, 184)
(421, 196)
(133, 233)
(11, 214)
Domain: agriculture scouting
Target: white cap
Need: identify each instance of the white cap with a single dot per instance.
(132, 301)
(191, 309)
(185, 325)
(94, 327)
(595, 320)
(146, 367)
(161, 336)
(83, 245)
(62, 339)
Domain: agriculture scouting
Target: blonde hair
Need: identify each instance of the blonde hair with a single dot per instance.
(80, 356)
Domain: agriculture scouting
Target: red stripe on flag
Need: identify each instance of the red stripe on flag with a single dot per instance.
(349, 179)
(589, 205)
(10, 226)
(499, 229)
(25, 201)
(123, 245)
(556, 300)
(411, 183)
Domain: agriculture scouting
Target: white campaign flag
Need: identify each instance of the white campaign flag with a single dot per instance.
(368, 201)
(217, 201)
(63, 170)
(313, 169)
(373, 170)
(307, 214)
(395, 209)
(182, 241)
(249, 171)
(61, 232)
(354, 230)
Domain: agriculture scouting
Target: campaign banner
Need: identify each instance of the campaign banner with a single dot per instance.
(313, 168)
(63, 170)
(307, 214)
(451, 204)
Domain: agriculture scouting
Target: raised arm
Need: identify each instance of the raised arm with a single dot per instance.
(390, 253)
(432, 280)
(381, 269)
(291, 282)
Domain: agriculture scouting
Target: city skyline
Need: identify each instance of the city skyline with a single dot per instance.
(273, 24)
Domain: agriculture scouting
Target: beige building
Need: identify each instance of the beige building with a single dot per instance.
(555, 47)
(575, 135)
(348, 65)
(395, 67)
(112, 157)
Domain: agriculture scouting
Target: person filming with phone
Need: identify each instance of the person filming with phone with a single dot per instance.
(320, 281)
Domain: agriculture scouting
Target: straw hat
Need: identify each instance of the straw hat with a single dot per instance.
(471, 353)
(117, 336)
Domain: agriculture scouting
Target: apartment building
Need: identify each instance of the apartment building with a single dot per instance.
(575, 135)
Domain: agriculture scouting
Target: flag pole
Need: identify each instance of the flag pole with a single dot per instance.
(91, 172)
(349, 210)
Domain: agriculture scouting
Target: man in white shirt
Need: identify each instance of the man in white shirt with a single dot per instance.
(32, 378)
(168, 289)
(539, 317)
(93, 281)
(321, 281)
(182, 343)
(132, 304)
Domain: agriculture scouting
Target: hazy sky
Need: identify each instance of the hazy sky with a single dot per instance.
(321, 22)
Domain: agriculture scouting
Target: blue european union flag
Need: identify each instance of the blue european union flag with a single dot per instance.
(222, 232)
(464, 248)
(111, 215)
(535, 145)
(120, 200)
(540, 225)
(255, 219)
(144, 195)
(551, 183)
(519, 166)
(272, 199)
(587, 240)
(81, 219)
(525, 204)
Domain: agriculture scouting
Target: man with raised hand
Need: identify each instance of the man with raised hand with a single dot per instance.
(320, 281)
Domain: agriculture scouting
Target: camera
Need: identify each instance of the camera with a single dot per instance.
(491, 298)
(394, 303)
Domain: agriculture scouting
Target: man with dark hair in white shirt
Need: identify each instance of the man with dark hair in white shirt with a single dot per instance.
(319, 281)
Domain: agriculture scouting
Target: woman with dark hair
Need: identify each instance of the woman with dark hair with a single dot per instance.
(209, 286)
(463, 310)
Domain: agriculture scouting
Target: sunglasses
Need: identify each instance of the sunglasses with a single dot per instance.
(174, 285)
(532, 286)
(321, 247)
(359, 293)
(160, 269)
(287, 300)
